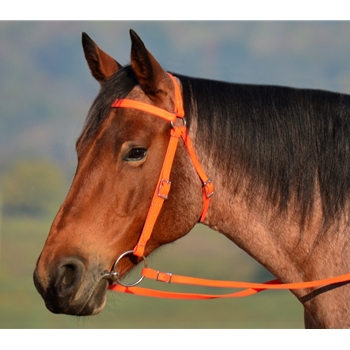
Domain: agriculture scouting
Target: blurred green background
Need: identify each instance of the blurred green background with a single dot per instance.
(46, 91)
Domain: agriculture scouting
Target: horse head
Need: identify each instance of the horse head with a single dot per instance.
(120, 153)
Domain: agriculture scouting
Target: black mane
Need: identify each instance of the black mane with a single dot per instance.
(284, 141)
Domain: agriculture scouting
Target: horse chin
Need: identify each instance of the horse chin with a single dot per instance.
(97, 301)
(80, 306)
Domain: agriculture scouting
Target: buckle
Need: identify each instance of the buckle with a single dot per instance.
(164, 188)
(208, 188)
(164, 277)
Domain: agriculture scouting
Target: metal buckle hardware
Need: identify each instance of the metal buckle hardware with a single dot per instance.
(164, 277)
(164, 188)
(208, 186)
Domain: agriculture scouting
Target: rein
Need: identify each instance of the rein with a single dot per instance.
(160, 195)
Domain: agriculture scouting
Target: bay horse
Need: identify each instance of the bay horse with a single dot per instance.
(279, 159)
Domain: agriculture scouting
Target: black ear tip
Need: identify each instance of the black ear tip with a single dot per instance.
(134, 36)
(85, 38)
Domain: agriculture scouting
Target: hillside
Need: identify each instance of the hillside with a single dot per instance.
(46, 88)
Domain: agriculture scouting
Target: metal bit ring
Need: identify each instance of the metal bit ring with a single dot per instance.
(113, 274)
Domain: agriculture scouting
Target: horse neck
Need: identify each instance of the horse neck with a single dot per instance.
(277, 239)
(293, 238)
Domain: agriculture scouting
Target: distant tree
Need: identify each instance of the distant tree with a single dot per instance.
(33, 187)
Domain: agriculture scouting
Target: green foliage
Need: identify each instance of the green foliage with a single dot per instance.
(34, 187)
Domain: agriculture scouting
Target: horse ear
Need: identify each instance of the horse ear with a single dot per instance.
(102, 65)
(153, 79)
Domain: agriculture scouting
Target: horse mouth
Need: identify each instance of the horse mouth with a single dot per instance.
(83, 303)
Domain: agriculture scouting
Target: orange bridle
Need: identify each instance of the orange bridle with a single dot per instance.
(161, 194)
(163, 185)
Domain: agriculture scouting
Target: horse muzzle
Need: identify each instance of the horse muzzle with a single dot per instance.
(67, 287)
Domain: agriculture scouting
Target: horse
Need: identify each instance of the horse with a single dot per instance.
(279, 158)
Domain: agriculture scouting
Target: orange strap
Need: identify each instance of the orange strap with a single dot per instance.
(160, 194)
(178, 295)
(208, 186)
(248, 288)
(144, 107)
(164, 183)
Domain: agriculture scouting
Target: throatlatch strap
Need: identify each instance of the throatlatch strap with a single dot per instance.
(208, 186)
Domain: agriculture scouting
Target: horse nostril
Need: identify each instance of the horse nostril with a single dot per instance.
(69, 276)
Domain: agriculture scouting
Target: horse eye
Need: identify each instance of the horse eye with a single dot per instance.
(136, 154)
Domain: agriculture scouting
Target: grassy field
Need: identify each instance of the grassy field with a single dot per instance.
(21, 307)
